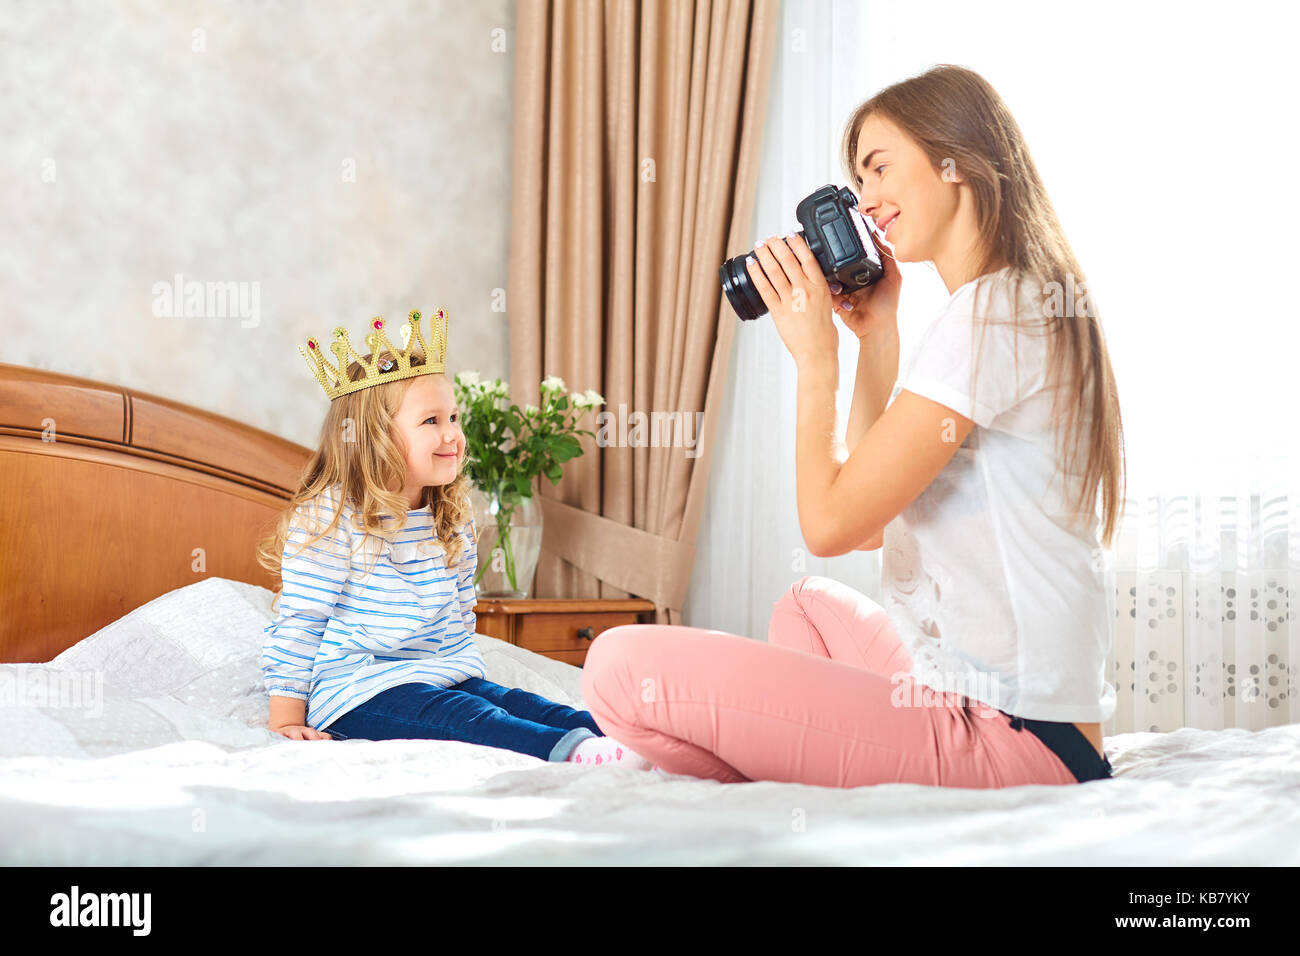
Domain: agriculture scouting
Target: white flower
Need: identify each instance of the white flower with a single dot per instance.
(530, 409)
(553, 383)
(468, 378)
(594, 397)
(501, 388)
(577, 400)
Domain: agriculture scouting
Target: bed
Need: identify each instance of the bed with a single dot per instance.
(134, 711)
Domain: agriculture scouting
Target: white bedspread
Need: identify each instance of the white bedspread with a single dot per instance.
(173, 765)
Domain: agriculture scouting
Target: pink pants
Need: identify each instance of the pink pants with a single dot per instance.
(826, 701)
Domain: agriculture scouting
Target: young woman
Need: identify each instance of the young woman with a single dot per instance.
(995, 613)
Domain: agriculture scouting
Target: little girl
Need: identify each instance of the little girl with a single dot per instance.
(374, 638)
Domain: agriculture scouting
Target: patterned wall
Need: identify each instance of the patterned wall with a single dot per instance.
(298, 166)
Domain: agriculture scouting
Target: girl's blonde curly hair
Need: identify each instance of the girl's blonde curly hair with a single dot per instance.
(360, 451)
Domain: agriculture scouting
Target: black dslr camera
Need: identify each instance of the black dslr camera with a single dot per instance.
(836, 234)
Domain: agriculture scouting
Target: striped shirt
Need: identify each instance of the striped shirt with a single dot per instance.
(359, 614)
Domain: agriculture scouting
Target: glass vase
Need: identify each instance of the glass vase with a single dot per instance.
(509, 543)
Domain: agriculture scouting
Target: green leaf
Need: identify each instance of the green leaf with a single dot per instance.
(566, 448)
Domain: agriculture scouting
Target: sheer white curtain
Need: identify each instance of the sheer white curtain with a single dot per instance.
(1164, 133)
(750, 548)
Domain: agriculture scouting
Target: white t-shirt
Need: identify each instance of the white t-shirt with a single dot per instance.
(992, 591)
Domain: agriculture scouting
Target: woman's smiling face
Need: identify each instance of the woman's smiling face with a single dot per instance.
(903, 192)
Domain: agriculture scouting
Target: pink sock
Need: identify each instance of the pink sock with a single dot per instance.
(606, 751)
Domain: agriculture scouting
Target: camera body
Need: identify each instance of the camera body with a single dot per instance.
(836, 235)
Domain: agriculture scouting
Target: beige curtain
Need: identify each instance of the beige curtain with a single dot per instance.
(637, 131)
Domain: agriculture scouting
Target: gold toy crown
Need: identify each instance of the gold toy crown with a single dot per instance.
(384, 368)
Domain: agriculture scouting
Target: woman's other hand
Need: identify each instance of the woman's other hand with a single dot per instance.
(874, 309)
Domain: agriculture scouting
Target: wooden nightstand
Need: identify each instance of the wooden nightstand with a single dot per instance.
(560, 628)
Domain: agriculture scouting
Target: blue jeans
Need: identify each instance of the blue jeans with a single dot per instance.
(475, 711)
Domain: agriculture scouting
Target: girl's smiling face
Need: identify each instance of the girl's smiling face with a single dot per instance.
(428, 421)
(903, 192)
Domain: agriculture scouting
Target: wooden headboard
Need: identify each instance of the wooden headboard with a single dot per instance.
(110, 497)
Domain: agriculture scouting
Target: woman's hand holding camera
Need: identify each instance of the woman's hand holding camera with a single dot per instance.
(792, 286)
(787, 276)
(872, 310)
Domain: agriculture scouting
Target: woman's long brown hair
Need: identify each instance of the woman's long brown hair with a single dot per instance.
(960, 122)
(359, 451)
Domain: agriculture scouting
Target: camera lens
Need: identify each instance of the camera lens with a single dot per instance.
(742, 295)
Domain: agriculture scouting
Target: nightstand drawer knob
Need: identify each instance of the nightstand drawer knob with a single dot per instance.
(587, 633)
